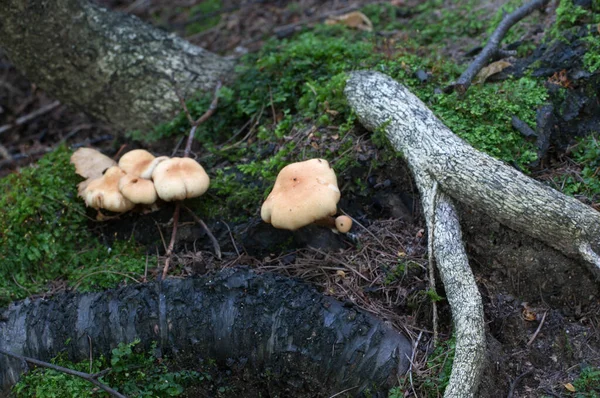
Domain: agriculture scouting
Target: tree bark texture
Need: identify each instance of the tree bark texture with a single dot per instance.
(111, 65)
(373, 97)
(313, 344)
(473, 177)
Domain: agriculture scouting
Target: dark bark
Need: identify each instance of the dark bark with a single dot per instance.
(312, 343)
(112, 66)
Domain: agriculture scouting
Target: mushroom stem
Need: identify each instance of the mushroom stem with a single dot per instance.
(328, 222)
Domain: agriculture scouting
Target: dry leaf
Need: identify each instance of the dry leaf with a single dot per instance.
(354, 19)
(340, 273)
(90, 163)
(491, 69)
(570, 387)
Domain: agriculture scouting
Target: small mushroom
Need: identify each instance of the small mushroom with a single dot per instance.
(343, 224)
(304, 192)
(140, 162)
(137, 189)
(103, 193)
(180, 178)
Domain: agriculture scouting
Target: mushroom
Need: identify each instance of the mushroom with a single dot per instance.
(103, 193)
(304, 193)
(137, 189)
(180, 178)
(343, 224)
(140, 162)
(90, 164)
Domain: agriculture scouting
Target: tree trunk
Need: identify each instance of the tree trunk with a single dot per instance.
(111, 65)
(313, 344)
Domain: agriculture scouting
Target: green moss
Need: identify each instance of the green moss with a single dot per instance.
(133, 373)
(586, 182)
(45, 235)
(587, 385)
(287, 103)
(210, 7)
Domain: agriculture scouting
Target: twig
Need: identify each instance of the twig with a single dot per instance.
(24, 119)
(411, 360)
(85, 376)
(188, 147)
(232, 239)
(514, 384)
(431, 261)
(343, 391)
(491, 48)
(214, 240)
(172, 242)
(537, 331)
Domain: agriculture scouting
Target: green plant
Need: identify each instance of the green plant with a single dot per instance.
(587, 385)
(133, 373)
(440, 362)
(587, 181)
(44, 234)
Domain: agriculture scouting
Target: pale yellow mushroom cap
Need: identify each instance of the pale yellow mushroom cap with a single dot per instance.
(137, 189)
(303, 193)
(103, 193)
(343, 224)
(134, 162)
(179, 179)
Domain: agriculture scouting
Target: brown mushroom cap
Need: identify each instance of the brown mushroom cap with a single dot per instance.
(303, 193)
(343, 224)
(137, 189)
(180, 178)
(135, 162)
(103, 193)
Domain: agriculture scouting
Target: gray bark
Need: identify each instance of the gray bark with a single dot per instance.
(110, 65)
(380, 102)
(472, 177)
(312, 344)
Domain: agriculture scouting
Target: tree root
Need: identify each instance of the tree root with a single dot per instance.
(436, 155)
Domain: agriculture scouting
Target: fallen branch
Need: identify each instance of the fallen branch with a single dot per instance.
(492, 47)
(236, 317)
(24, 119)
(438, 157)
(92, 378)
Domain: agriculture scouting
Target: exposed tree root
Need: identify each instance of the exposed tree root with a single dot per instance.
(436, 155)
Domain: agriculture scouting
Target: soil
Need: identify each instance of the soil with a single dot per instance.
(541, 308)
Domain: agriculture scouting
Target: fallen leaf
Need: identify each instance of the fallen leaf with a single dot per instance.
(90, 164)
(570, 387)
(491, 69)
(354, 19)
(340, 273)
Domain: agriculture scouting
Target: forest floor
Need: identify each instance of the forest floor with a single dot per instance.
(541, 308)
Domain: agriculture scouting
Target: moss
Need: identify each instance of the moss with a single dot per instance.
(198, 12)
(45, 234)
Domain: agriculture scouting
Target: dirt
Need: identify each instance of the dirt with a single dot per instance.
(541, 308)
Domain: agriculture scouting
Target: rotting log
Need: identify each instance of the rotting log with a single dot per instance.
(446, 168)
(312, 344)
(110, 65)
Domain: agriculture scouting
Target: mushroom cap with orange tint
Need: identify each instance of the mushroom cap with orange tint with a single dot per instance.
(179, 179)
(303, 193)
(137, 189)
(103, 193)
(343, 223)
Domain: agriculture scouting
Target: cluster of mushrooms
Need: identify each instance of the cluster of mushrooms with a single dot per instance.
(304, 193)
(138, 178)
